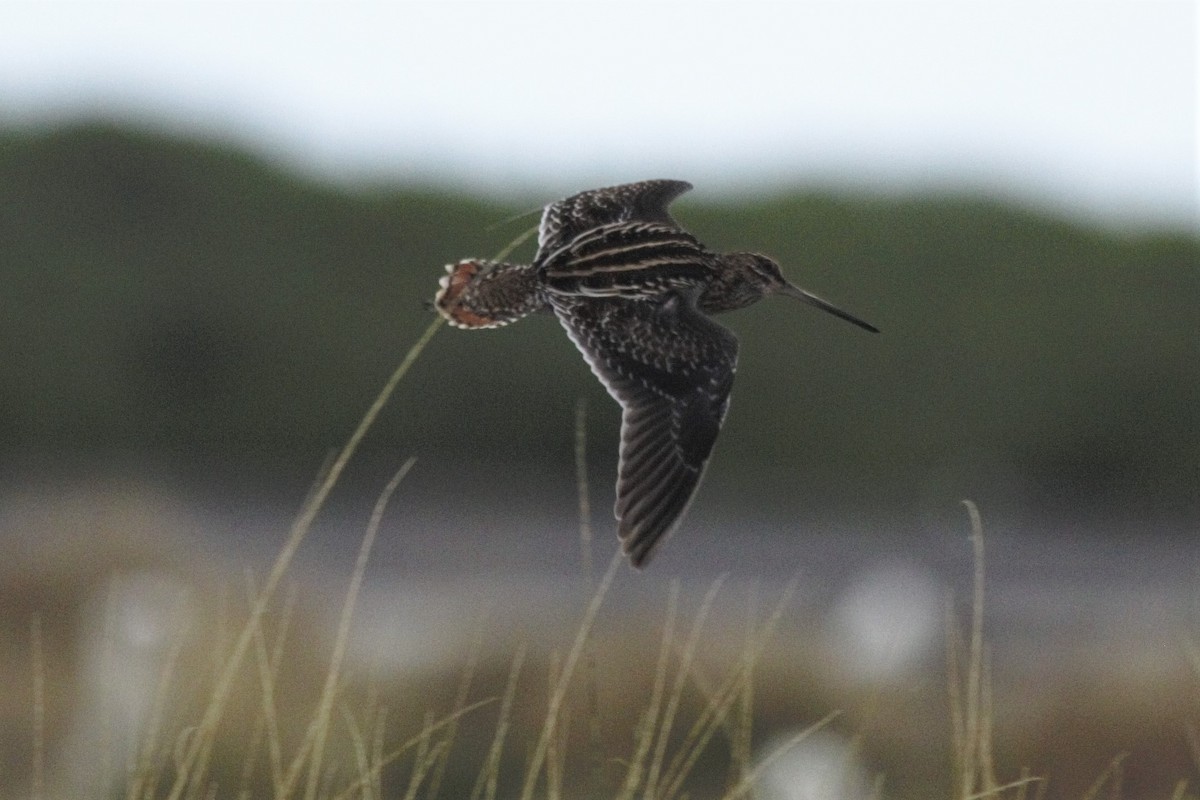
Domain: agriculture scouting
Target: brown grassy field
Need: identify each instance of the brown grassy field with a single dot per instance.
(133, 668)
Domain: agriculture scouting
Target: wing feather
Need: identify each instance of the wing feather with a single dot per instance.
(626, 259)
(646, 201)
(671, 369)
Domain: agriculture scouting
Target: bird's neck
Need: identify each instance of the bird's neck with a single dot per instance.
(729, 290)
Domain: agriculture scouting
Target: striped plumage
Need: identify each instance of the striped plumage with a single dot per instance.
(626, 259)
(632, 289)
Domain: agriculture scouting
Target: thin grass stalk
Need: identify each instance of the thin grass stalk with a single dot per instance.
(633, 776)
(37, 789)
(300, 527)
(698, 737)
(560, 691)
(971, 774)
(107, 721)
(751, 777)
(709, 690)
(377, 752)
(517, 242)
(286, 618)
(488, 780)
(592, 670)
(268, 673)
(421, 769)
(581, 482)
(333, 675)
(134, 753)
(987, 762)
(705, 686)
(741, 737)
(413, 742)
(260, 738)
(460, 700)
(954, 688)
(721, 696)
(1020, 784)
(1193, 739)
(362, 757)
(520, 215)
(253, 751)
(685, 664)
(714, 714)
(146, 777)
(554, 745)
(221, 691)
(196, 785)
(1023, 789)
(1112, 775)
(419, 760)
(1043, 787)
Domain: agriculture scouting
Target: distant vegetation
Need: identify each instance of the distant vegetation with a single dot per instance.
(176, 303)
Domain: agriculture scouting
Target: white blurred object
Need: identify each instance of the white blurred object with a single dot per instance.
(411, 625)
(823, 766)
(130, 630)
(886, 622)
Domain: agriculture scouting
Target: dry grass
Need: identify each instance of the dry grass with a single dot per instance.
(178, 763)
(348, 742)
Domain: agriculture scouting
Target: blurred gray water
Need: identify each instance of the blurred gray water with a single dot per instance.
(1054, 592)
(1094, 617)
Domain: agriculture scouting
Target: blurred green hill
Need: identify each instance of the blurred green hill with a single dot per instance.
(180, 304)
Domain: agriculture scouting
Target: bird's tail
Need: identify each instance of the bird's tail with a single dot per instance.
(487, 294)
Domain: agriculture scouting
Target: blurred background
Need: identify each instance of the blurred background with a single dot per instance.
(219, 225)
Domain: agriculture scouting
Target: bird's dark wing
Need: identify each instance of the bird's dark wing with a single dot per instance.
(626, 259)
(645, 201)
(671, 369)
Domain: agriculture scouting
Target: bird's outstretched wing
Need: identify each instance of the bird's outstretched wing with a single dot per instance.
(645, 201)
(671, 369)
(626, 259)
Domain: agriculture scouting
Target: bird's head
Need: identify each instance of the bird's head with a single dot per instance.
(755, 276)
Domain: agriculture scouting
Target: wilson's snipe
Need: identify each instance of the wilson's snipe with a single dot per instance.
(634, 290)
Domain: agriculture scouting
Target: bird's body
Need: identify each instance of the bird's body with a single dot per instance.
(633, 291)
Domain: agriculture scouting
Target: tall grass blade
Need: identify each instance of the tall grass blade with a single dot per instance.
(742, 787)
(268, 672)
(421, 760)
(685, 666)
(581, 481)
(362, 756)
(146, 778)
(521, 238)
(412, 742)
(1112, 775)
(741, 741)
(488, 780)
(592, 676)
(460, 701)
(37, 789)
(224, 685)
(560, 691)
(333, 674)
(718, 708)
(649, 723)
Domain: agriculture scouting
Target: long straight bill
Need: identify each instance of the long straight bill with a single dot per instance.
(795, 291)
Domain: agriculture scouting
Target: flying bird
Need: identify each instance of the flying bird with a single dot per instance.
(634, 292)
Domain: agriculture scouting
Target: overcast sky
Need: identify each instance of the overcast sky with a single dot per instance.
(1088, 106)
